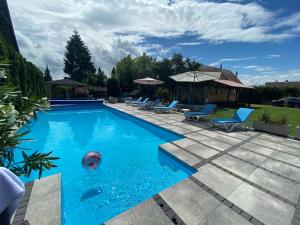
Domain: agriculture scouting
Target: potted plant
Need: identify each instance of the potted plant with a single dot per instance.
(298, 132)
(267, 124)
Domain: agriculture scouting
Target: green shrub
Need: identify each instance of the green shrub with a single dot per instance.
(267, 118)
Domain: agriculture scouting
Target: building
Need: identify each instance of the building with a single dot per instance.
(6, 27)
(286, 84)
(213, 84)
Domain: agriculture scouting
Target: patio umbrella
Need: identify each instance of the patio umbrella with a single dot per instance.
(195, 77)
(148, 81)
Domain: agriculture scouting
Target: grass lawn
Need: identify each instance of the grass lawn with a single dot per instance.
(293, 114)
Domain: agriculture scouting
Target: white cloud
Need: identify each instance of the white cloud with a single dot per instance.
(272, 56)
(115, 28)
(190, 43)
(258, 77)
(220, 61)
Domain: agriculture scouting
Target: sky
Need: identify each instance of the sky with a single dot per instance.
(259, 39)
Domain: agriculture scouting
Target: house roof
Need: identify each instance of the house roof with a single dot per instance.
(196, 76)
(232, 84)
(6, 27)
(66, 82)
(225, 74)
(208, 73)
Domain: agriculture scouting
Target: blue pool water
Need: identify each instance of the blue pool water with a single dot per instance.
(132, 169)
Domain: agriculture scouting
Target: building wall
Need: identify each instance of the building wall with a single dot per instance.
(201, 95)
(220, 95)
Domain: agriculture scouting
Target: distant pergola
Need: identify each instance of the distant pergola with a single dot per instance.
(64, 83)
(205, 78)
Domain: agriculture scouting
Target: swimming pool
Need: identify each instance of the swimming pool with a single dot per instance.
(132, 169)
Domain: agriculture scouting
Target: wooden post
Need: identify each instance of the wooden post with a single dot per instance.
(228, 92)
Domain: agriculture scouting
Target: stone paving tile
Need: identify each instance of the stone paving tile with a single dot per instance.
(262, 206)
(213, 177)
(181, 154)
(239, 135)
(190, 202)
(196, 136)
(147, 213)
(218, 136)
(169, 147)
(224, 216)
(248, 156)
(258, 148)
(292, 143)
(201, 150)
(282, 140)
(276, 184)
(175, 128)
(276, 146)
(184, 143)
(294, 160)
(200, 124)
(234, 165)
(187, 126)
(216, 144)
(45, 203)
(282, 168)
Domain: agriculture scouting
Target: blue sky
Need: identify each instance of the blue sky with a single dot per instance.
(258, 39)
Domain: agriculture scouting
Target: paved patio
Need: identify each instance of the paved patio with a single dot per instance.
(243, 177)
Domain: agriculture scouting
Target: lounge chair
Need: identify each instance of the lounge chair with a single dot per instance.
(134, 101)
(239, 119)
(150, 105)
(141, 103)
(168, 108)
(207, 110)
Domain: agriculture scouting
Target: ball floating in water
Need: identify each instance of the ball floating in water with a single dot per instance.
(91, 160)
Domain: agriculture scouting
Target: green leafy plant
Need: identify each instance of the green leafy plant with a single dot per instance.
(282, 120)
(267, 118)
(17, 112)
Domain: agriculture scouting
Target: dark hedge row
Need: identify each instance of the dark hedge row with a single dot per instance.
(23, 75)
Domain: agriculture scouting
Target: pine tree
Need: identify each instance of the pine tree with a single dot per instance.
(113, 73)
(97, 79)
(47, 75)
(78, 59)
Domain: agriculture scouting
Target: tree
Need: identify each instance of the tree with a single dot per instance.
(78, 59)
(178, 64)
(47, 75)
(15, 112)
(144, 66)
(125, 73)
(113, 88)
(97, 79)
(113, 73)
(22, 75)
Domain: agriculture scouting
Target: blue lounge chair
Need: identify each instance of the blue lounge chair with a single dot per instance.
(239, 119)
(134, 101)
(141, 103)
(150, 105)
(207, 110)
(168, 108)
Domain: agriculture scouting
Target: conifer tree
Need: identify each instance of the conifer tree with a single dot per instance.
(47, 75)
(77, 59)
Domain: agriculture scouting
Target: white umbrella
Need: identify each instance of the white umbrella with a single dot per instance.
(148, 81)
(195, 77)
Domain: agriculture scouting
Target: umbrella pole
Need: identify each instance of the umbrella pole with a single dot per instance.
(190, 98)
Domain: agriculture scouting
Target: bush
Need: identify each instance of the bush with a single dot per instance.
(267, 118)
(113, 87)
